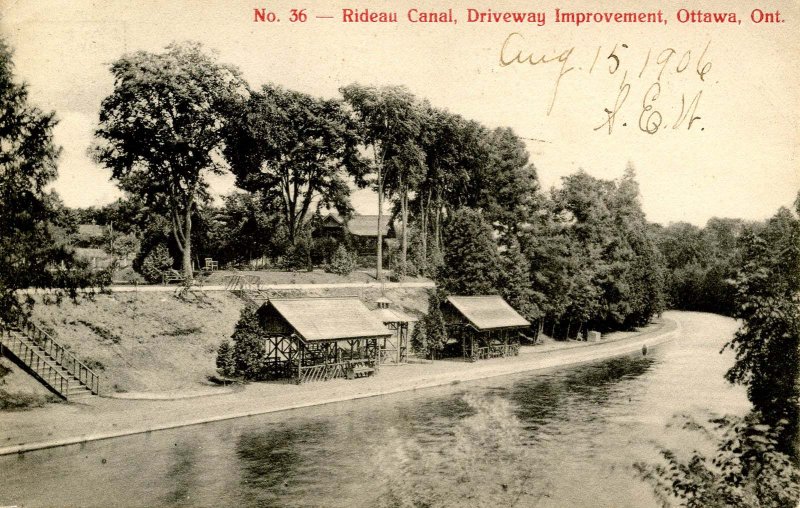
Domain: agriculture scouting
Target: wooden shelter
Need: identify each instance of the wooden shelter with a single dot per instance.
(395, 348)
(314, 339)
(485, 326)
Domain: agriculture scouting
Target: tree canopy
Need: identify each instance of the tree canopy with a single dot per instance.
(161, 130)
(767, 345)
(390, 120)
(289, 144)
(29, 254)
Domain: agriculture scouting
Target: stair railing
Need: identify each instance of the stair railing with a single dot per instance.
(35, 361)
(61, 355)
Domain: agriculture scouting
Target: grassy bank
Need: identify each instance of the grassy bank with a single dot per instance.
(140, 341)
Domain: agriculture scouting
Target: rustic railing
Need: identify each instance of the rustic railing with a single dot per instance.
(60, 355)
(326, 371)
(35, 361)
(495, 351)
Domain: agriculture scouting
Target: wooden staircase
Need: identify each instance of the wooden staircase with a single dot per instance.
(48, 361)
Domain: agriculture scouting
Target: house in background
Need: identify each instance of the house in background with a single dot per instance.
(362, 231)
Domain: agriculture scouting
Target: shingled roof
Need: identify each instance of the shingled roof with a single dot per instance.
(319, 319)
(363, 225)
(393, 316)
(488, 312)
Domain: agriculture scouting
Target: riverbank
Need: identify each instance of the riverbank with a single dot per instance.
(104, 418)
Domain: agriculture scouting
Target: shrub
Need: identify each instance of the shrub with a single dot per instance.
(323, 250)
(298, 256)
(419, 343)
(225, 362)
(155, 263)
(747, 469)
(342, 262)
(248, 352)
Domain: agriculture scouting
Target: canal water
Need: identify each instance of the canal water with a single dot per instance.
(567, 437)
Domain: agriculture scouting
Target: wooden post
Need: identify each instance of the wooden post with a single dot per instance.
(300, 355)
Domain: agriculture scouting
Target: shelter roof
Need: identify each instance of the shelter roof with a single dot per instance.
(319, 319)
(393, 316)
(488, 312)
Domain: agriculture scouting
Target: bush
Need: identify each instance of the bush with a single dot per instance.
(747, 469)
(342, 262)
(429, 336)
(246, 358)
(323, 249)
(225, 362)
(298, 256)
(155, 263)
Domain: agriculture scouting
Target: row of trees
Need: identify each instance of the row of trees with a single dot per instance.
(756, 459)
(467, 198)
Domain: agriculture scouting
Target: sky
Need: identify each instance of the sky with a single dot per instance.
(594, 90)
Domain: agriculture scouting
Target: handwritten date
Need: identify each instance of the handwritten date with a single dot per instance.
(662, 87)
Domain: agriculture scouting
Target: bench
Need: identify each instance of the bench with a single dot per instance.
(359, 371)
(172, 275)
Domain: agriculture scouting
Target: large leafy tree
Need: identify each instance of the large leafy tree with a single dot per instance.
(454, 151)
(161, 130)
(390, 120)
(472, 264)
(767, 345)
(612, 273)
(300, 148)
(245, 228)
(29, 256)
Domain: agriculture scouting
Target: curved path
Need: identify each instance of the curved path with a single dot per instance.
(104, 418)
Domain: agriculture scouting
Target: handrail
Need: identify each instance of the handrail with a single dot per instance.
(61, 355)
(51, 375)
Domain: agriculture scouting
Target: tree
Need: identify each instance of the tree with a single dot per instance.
(246, 358)
(507, 187)
(515, 282)
(161, 130)
(155, 263)
(390, 121)
(767, 345)
(455, 150)
(247, 226)
(343, 262)
(29, 256)
(432, 335)
(472, 264)
(289, 144)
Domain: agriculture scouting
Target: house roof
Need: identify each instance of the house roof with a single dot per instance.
(363, 225)
(316, 319)
(393, 316)
(84, 252)
(488, 312)
(92, 230)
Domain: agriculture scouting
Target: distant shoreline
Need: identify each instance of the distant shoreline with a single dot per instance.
(107, 418)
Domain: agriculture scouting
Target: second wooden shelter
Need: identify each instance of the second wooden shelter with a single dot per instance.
(486, 326)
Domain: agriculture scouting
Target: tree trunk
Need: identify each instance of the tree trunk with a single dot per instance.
(379, 261)
(437, 229)
(424, 232)
(404, 207)
(187, 244)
